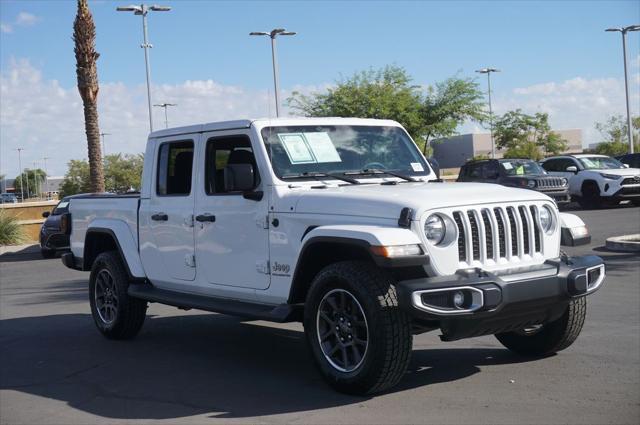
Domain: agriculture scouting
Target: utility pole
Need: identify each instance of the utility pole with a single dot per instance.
(46, 176)
(21, 174)
(488, 71)
(165, 105)
(104, 146)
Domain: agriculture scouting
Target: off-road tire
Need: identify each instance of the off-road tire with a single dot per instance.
(590, 196)
(130, 312)
(389, 330)
(47, 253)
(552, 337)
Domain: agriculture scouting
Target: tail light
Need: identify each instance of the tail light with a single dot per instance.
(65, 223)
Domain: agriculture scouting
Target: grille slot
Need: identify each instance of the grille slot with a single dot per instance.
(501, 238)
(488, 233)
(536, 227)
(475, 236)
(462, 246)
(514, 231)
(525, 229)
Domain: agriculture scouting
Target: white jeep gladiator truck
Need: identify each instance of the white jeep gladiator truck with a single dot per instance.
(338, 223)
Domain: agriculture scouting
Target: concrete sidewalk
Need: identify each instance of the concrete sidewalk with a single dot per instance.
(19, 249)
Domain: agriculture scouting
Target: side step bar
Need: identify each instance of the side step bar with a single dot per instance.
(281, 313)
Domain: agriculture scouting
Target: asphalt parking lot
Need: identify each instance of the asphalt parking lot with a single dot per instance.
(196, 367)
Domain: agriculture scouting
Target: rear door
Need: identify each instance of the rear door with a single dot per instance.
(166, 217)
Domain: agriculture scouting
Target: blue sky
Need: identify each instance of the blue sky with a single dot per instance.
(543, 49)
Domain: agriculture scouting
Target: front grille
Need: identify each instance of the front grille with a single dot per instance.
(630, 180)
(550, 182)
(515, 230)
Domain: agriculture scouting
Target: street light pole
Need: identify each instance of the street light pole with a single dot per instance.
(142, 10)
(21, 174)
(488, 71)
(165, 105)
(35, 178)
(623, 31)
(104, 146)
(274, 60)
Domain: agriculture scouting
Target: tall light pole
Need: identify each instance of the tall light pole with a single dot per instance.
(165, 105)
(274, 59)
(21, 174)
(46, 176)
(624, 31)
(35, 178)
(142, 10)
(104, 146)
(488, 71)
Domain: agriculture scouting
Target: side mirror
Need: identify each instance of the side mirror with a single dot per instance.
(572, 169)
(46, 214)
(238, 177)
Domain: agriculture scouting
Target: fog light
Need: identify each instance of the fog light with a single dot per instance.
(458, 299)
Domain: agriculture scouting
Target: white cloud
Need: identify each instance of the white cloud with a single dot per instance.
(47, 119)
(27, 19)
(6, 28)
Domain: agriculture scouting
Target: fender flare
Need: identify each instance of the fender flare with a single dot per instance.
(125, 242)
(573, 231)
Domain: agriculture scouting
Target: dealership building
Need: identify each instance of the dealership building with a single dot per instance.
(454, 151)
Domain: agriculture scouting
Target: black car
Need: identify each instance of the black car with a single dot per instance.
(631, 159)
(53, 235)
(523, 173)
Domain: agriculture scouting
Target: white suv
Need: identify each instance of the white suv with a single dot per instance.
(596, 180)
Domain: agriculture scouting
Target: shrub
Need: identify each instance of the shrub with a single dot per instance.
(11, 233)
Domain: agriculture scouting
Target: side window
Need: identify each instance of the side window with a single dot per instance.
(490, 170)
(474, 171)
(175, 166)
(551, 165)
(223, 151)
(564, 163)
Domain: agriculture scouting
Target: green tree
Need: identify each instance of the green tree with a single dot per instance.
(122, 172)
(614, 135)
(386, 93)
(449, 103)
(32, 180)
(527, 136)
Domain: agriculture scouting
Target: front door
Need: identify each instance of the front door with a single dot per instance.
(232, 245)
(166, 218)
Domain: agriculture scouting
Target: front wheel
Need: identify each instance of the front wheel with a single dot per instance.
(591, 197)
(551, 337)
(360, 338)
(115, 313)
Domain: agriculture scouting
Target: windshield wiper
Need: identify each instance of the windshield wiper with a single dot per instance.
(317, 176)
(372, 171)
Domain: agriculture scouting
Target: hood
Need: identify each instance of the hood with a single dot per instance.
(625, 172)
(386, 201)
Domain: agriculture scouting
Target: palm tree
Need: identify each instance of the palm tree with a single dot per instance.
(84, 36)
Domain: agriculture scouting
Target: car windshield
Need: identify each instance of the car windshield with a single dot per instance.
(308, 151)
(600, 163)
(518, 167)
(61, 208)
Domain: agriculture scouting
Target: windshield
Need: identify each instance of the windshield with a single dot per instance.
(600, 163)
(298, 150)
(519, 167)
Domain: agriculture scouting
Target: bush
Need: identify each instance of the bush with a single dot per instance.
(11, 233)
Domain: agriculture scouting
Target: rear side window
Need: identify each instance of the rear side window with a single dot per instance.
(474, 171)
(175, 166)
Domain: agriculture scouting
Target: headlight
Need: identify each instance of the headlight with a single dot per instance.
(434, 229)
(611, 176)
(531, 183)
(546, 219)
(564, 181)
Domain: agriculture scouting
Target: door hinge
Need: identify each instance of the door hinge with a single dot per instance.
(190, 260)
(263, 222)
(262, 267)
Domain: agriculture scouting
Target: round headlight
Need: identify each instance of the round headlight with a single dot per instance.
(564, 181)
(434, 229)
(546, 219)
(531, 183)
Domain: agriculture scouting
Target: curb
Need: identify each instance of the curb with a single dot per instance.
(19, 249)
(625, 243)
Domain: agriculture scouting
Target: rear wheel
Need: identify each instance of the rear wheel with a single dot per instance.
(361, 340)
(551, 337)
(115, 313)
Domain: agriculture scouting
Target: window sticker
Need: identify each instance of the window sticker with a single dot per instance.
(322, 147)
(507, 165)
(63, 204)
(417, 167)
(296, 148)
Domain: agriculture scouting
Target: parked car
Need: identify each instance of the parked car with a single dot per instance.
(53, 233)
(523, 173)
(596, 180)
(339, 223)
(630, 159)
(8, 198)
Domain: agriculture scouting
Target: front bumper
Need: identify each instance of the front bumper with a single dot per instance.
(561, 196)
(628, 192)
(495, 303)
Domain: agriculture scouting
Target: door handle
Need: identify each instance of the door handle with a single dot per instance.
(160, 217)
(206, 217)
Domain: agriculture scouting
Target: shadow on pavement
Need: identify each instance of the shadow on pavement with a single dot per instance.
(190, 365)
